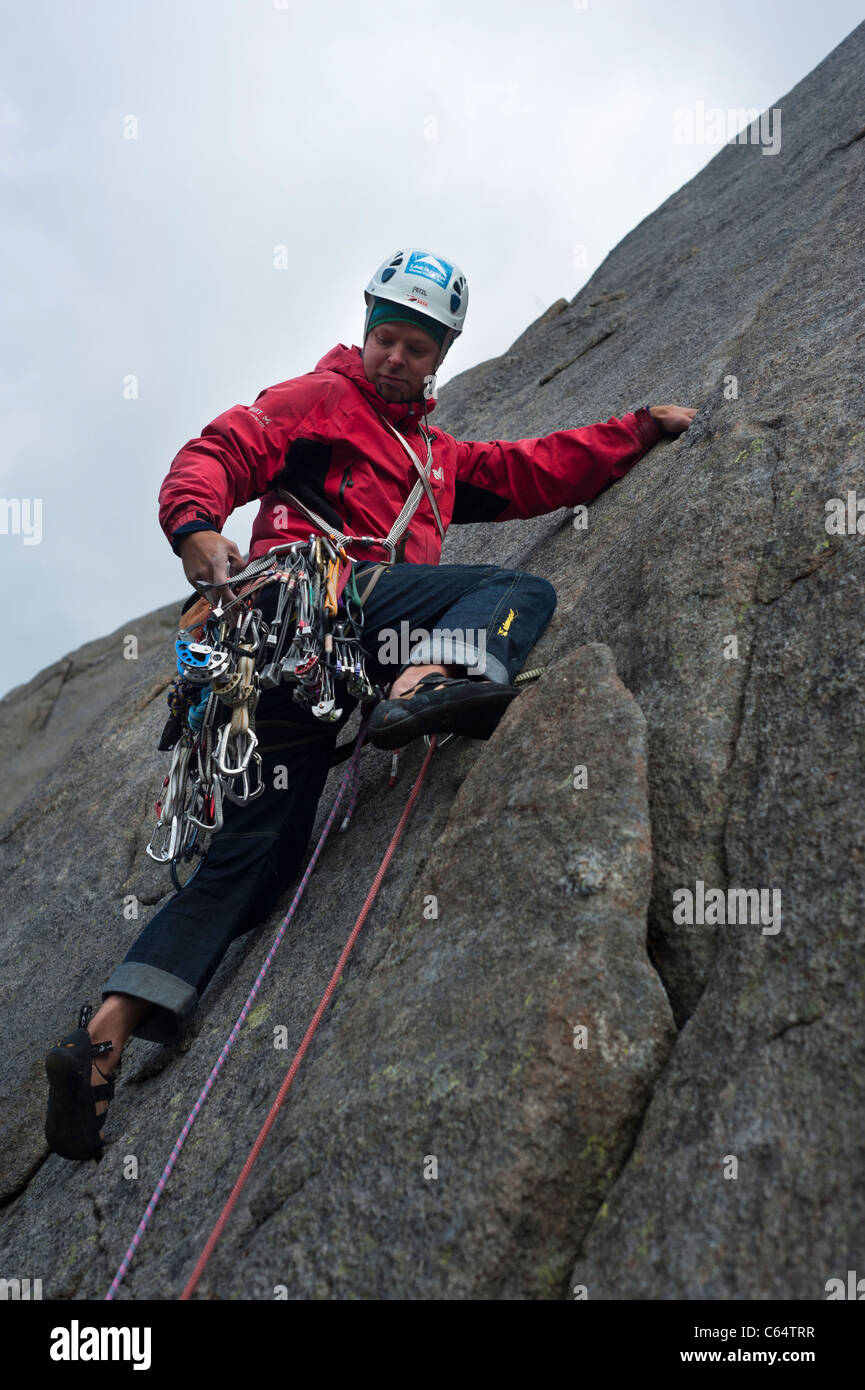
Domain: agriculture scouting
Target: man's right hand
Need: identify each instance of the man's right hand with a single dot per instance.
(209, 558)
(672, 419)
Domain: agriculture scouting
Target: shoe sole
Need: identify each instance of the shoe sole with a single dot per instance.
(475, 717)
(69, 1119)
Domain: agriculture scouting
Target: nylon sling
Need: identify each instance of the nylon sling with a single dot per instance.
(400, 525)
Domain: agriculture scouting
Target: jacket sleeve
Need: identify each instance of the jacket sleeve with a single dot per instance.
(499, 481)
(234, 459)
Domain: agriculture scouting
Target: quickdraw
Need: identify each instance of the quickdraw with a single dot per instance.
(313, 644)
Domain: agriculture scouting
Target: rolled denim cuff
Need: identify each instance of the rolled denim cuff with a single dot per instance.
(457, 651)
(173, 999)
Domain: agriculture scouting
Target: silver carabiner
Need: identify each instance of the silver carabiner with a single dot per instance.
(221, 753)
(247, 793)
(216, 823)
(167, 845)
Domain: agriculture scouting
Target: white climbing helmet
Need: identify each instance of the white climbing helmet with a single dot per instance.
(419, 280)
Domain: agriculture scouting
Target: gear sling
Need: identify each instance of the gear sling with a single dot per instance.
(224, 661)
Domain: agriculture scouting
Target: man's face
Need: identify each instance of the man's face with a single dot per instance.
(397, 357)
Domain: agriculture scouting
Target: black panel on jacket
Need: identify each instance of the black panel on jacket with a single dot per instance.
(476, 504)
(306, 467)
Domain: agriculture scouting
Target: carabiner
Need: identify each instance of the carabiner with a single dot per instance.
(167, 845)
(215, 796)
(221, 753)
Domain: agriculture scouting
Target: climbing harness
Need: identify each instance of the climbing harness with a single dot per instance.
(224, 661)
(226, 657)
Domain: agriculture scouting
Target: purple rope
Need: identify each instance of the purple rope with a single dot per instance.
(355, 785)
(352, 779)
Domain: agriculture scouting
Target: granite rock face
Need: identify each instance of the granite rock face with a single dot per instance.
(453, 1133)
(42, 719)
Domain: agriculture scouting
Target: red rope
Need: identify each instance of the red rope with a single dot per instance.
(308, 1036)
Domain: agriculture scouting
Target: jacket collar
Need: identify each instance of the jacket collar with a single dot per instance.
(348, 361)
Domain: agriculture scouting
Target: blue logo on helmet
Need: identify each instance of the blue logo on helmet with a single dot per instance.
(420, 263)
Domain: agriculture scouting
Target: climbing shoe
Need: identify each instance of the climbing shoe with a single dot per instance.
(440, 705)
(72, 1125)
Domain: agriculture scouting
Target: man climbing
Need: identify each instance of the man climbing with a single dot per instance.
(337, 451)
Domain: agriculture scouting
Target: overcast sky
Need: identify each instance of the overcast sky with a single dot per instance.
(153, 154)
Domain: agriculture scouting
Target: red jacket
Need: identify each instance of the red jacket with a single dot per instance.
(321, 436)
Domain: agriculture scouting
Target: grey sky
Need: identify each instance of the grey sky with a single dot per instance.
(500, 134)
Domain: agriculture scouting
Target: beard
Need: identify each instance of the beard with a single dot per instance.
(402, 388)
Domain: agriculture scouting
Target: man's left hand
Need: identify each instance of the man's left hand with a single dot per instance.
(672, 419)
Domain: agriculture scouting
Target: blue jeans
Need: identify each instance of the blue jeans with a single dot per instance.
(487, 619)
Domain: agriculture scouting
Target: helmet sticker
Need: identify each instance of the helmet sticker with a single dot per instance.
(420, 263)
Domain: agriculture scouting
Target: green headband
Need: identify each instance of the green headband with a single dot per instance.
(386, 312)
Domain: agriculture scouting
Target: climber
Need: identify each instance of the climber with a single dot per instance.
(347, 449)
